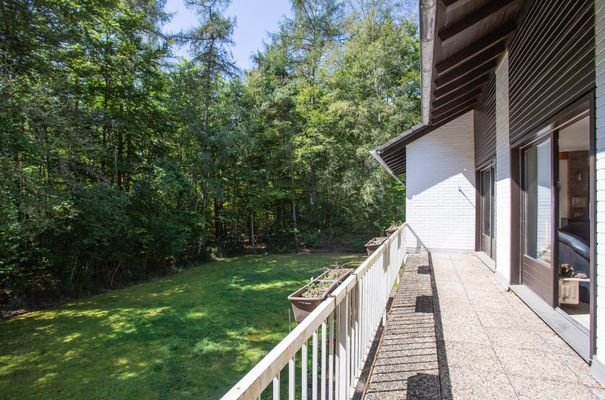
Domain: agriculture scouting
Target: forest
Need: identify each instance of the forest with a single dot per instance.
(120, 161)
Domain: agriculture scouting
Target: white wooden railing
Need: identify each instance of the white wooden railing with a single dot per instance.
(340, 331)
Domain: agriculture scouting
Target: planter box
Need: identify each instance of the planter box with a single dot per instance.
(569, 290)
(374, 244)
(391, 229)
(303, 305)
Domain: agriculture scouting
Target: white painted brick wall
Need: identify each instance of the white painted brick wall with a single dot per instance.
(503, 175)
(440, 187)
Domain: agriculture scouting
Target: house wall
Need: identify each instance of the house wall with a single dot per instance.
(598, 362)
(440, 187)
(485, 125)
(503, 176)
(545, 79)
(533, 83)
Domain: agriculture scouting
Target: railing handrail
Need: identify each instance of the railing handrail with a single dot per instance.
(261, 375)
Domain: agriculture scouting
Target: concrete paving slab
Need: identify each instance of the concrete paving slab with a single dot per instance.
(454, 333)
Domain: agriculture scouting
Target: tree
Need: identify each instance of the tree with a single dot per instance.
(209, 45)
(117, 163)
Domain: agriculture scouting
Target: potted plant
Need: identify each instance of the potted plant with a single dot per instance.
(307, 298)
(374, 244)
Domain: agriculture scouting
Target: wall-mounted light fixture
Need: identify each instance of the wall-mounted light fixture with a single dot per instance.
(579, 176)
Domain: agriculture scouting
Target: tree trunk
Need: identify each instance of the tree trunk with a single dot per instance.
(252, 237)
(313, 185)
(294, 223)
(217, 220)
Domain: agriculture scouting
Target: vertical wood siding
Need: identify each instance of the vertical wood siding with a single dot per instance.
(598, 365)
(551, 61)
(485, 125)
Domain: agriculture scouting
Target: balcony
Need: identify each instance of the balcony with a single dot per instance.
(450, 332)
(454, 333)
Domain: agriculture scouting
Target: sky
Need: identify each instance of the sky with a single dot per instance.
(255, 19)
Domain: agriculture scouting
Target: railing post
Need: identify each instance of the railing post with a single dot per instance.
(276, 387)
(342, 356)
(314, 366)
(303, 372)
(324, 349)
(291, 379)
(332, 360)
(344, 360)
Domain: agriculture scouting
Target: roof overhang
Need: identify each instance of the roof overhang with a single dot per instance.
(392, 155)
(462, 43)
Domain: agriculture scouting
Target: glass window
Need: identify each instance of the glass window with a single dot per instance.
(538, 201)
(486, 206)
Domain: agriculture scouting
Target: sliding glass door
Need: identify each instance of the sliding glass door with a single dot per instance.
(486, 186)
(538, 217)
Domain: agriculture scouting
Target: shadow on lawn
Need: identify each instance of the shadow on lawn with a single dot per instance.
(191, 335)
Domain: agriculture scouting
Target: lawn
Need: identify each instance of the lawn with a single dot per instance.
(192, 334)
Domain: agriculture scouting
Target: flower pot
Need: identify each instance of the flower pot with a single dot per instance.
(374, 244)
(307, 298)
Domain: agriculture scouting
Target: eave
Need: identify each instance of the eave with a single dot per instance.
(462, 43)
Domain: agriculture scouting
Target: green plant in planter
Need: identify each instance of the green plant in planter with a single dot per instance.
(567, 270)
(317, 288)
(335, 273)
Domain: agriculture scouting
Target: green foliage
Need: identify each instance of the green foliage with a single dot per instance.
(118, 164)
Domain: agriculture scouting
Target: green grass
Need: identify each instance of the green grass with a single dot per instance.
(189, 335)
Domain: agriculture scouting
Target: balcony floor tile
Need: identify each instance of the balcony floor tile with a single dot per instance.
(455, 333)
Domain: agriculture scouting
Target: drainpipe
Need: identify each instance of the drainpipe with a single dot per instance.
(427, 30)
(428, 9)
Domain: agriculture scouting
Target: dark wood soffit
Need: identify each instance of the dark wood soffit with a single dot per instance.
(390, 157)
(492, 44)
(448, 3)
(393, 163)
(461, 86)
(458, 80)
(398, 171)
(399, 165)
(445, 119)
(457, 97)
(479, 66)
(445, 113)
(402, 142)
(473, 18)
(395, 157)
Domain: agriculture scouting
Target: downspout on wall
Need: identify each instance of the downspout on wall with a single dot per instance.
(428, 10)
